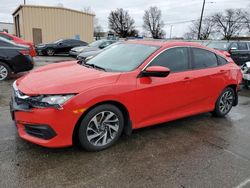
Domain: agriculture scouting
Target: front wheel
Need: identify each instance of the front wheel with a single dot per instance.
(101, 128)
(224, 103)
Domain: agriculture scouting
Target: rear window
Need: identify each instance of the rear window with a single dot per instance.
(5, 42)
(221, 60)
(5, 36)
(203, 59)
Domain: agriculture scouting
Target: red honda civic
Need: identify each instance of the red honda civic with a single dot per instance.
(128, 86)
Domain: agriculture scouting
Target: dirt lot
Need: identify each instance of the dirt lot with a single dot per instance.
(199, 151)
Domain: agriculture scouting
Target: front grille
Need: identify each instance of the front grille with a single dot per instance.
(40, 131)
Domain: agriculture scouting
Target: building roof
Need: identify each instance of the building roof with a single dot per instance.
(50, 7)
(6, 23)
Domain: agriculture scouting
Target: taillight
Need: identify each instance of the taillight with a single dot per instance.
(24, 52)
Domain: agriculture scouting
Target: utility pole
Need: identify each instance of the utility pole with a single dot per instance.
(170, 35)
(202, 11)
(24, 2)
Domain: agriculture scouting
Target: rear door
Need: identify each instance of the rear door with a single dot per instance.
(64, 46)
(208, 79)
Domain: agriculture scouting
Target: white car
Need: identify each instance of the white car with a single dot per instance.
(246, 74)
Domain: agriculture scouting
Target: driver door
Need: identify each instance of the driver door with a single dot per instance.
(161, 99)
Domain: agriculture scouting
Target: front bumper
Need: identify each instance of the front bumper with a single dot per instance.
(47, 127)
(246, 77)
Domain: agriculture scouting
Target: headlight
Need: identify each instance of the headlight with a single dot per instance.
(49, 101)
(56, 99)
(79, 49)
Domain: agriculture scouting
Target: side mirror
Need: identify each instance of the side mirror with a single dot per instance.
(233, 49)
(155, 71)
(60, 44)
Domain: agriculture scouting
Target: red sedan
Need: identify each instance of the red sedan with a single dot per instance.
(19, 41)
(128, 86)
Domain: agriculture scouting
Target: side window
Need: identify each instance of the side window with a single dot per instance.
(203, 59)
(176, 59)
(221, 60)
(248, 45)
(242, 46)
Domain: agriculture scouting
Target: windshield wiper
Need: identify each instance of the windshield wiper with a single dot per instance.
(94, 66)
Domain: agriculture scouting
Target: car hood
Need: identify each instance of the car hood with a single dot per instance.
(64, 78)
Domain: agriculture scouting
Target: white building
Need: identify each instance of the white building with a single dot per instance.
(7, 27)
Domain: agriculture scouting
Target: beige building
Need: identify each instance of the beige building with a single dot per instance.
(42, 24)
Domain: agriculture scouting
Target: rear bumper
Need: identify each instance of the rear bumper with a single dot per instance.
(23, 65)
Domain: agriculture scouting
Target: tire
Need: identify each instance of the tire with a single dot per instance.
(5, 71)
(100, 128)
(224, 103)
(246, 84)
(50, 51)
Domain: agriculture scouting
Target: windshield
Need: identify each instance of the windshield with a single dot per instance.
(60, 40)
(123, 57)
(96, 43)
(219, 45)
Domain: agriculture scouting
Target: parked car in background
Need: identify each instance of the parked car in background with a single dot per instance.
(239, 50)
(19, 41)
(14, 58)
(132, 85)
(246, 74)
(62, 46)
(94, 46)
(88, 55)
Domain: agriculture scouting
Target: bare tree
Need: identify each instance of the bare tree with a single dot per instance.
(88, 10)
(153, 22)
(190, 35)
(121, 23)
(97, 28)
(247, 18)
(207, 28)
(229, 23)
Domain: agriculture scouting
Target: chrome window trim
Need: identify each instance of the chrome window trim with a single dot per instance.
(183, 47)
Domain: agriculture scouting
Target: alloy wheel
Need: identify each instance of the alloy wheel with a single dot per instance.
(226, 102)
(50, 52)
(102, 128)
(3, 72)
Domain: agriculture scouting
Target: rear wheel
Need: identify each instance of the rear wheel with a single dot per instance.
(5, 71)
(50, 51)
(101, 127)
(224, 103)
(246, 84)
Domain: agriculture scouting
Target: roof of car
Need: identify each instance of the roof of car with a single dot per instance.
(167, 43)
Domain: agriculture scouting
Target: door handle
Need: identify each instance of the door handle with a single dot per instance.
(187, 78)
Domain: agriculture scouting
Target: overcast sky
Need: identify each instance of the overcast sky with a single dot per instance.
(173, 10)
